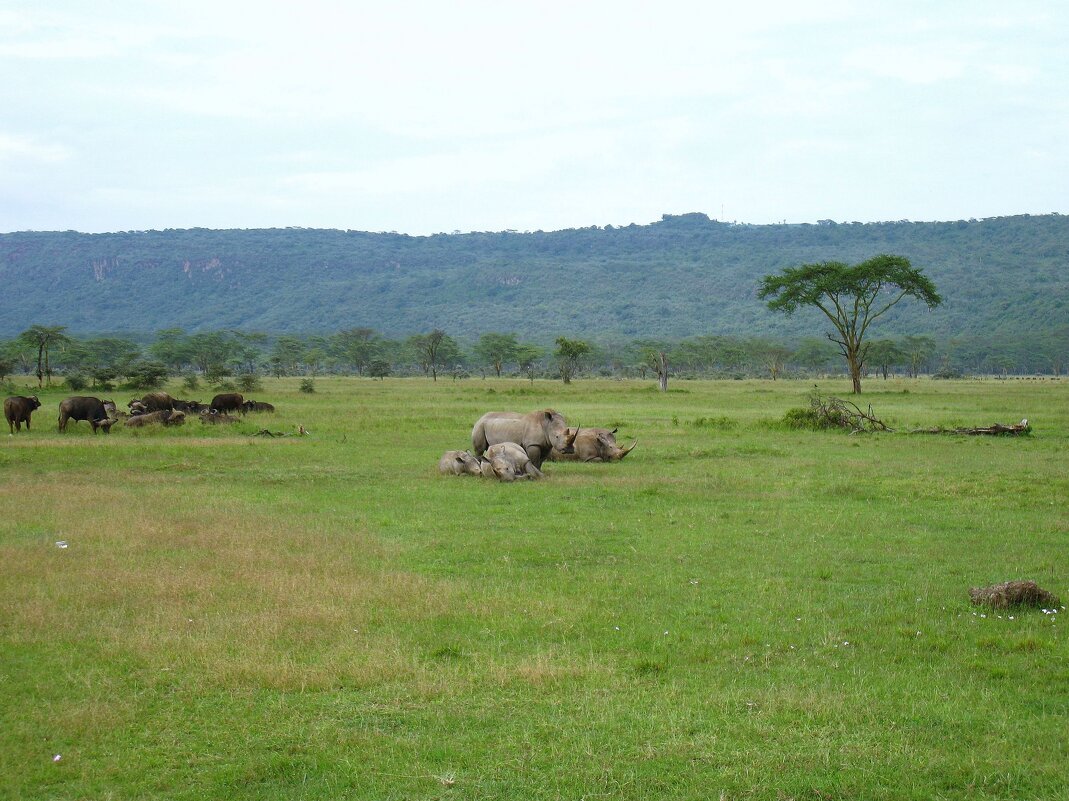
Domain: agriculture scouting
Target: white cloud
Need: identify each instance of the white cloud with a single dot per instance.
(24, 147)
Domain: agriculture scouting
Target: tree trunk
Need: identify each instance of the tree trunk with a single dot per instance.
(855, 370)
(662, 371)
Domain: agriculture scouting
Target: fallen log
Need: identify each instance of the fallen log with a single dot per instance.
(997, 429)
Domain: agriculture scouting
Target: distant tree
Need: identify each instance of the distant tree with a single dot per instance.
(44, 338)
(7, 366)
(526, 357)
(378, 368)
(496, 349)
(883, 354)
(433, 350)
(570, 353)
(657, 360)
(287, 354)
(210, 351)
(147, 374)
(851, 297)
(356, 347)
(918, 350)
(771, 355)
(172, 348)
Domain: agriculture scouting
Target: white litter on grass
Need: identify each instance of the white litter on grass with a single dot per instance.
(57, 757)
(61, 544)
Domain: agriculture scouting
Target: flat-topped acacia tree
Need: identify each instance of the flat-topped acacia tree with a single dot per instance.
(852, 297)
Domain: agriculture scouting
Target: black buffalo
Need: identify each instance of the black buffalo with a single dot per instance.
(228, 402)
(92, 410)
(257, 406)
(155, 402)
(194, 407)
(17, 410)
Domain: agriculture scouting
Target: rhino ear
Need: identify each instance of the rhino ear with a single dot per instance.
(614, 430)
(548, 414)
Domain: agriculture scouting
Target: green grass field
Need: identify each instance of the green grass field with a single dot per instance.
(738, 610)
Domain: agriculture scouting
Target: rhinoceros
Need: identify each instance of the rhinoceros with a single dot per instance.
(594, 445)
(536, 432)
(507, 461)
(459, 463)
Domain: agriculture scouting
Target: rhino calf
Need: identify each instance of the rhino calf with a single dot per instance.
(459, 463)
(507, 461)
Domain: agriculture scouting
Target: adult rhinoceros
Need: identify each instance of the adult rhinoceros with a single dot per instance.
(594, 445)
(536, 432)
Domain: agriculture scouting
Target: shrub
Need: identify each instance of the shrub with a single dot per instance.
(250, 382)
(308, 385)
(146, 375)
(808, 419)
(191, 382)
(76, 382)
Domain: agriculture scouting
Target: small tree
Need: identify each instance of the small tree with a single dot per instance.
(569, 355)
(378, 368)
(772, 355)
(496, 349)
(434, 349)
(657, 360)
(851, 297)
(885, 354)
(44, 337)
(918, 350)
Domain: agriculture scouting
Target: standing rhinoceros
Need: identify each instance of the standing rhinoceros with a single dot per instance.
(594, 445)
(459, 463)
(536, 432)
(507, 461)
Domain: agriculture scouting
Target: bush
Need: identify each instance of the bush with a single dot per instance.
(308, 385)
(191, 382)
(808, 419)
(76, 382)
(146, 375)
(226, 386)
(250, 382)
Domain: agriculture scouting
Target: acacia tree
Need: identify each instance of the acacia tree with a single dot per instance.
(851, 297)
(918, 350)
(434, 349)
(44, 337)
(496, 349)
(569, 353)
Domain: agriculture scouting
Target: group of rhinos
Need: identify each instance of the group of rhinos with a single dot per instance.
(154, 408)
(511, 446)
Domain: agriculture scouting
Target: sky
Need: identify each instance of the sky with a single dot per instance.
(426, 117)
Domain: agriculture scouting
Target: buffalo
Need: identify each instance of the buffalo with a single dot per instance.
(92, 410)
(17, 410)
(214, 418)
(459, 463)
(228, 402)
(164, 417)
(190, 407)
(536, 432)
(257, 406)
(154, 402)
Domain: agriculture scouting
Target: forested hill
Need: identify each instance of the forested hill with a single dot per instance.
(683, 276)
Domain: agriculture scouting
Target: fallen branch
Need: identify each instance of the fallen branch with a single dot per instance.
(998, 429)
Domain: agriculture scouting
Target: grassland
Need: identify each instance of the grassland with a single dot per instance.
(738, 610)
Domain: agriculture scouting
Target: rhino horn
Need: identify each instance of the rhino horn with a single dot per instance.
(570, 439)
(626, 451)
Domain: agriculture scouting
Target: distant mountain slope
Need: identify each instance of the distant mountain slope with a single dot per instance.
(683, 276)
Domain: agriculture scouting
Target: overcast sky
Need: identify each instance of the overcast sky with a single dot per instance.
(442, 116)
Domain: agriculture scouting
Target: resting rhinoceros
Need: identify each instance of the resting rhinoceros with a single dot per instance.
(459, 463)
(536, 432)
(594, 445)
(507, 461)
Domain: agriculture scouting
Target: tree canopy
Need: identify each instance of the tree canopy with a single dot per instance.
(851, 297)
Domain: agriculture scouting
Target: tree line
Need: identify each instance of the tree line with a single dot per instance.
(48, 354)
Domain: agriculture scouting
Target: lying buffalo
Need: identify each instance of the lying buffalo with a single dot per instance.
(536, 432)
(459, 463)
(214, 418)
(164, 417)
(190, 407)
(153, 402)
(507, 461)
(594, 445)
(228, 402)
(93, 410)
(257, 406)
(17, 410)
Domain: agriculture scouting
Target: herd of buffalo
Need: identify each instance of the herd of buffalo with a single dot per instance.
(510, 446)
(505, 445)
(155, 408)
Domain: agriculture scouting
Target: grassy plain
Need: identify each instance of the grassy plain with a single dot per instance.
(737, 610)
